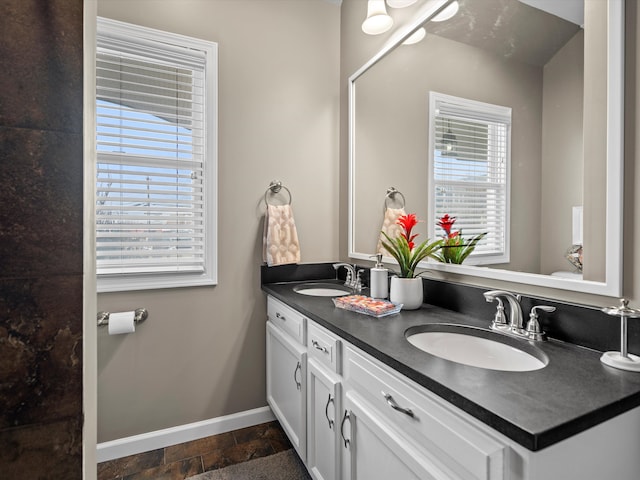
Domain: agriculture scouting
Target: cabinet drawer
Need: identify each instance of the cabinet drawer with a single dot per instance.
(461, 447)
(324, 347)
(286, 319)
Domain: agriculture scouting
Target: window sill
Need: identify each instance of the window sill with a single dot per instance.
(143, 282)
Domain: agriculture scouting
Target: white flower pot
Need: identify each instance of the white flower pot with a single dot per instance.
(407, 291)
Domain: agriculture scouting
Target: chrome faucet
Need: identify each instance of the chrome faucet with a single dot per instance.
(534, 332)
(516, 319)
(353, 279)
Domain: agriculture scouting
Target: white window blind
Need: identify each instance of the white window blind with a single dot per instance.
(154, 157)
(469, 174)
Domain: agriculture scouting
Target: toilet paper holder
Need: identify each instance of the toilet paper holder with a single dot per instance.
(141, 314)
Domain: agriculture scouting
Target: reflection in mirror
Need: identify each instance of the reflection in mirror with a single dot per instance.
(550, 73)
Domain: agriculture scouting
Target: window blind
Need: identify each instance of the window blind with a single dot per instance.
(470, 171)
(150, 205)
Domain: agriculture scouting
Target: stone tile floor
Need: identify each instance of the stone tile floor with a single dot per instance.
(181, 461)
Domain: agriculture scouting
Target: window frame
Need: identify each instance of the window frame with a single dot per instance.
(474, 111)
(147, 37)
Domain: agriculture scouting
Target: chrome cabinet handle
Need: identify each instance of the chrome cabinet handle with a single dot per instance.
(392, 403)
(317, 346)
(282, 317)
(326, 411)
(344, 419)
(295, 376)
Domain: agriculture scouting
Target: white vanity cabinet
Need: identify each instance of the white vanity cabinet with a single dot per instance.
(287, 371)
(324, 403)
(313, 378)
(352, 417)
(392, 424)
(373, 450)
(392, 427)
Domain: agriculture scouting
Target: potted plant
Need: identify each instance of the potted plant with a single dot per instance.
(406, 288)
(454, 249)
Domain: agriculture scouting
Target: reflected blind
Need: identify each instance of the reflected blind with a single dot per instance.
(471, 154)
(151, 151)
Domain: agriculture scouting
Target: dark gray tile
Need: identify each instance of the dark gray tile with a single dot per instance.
(41, 64)
(116, 469)
(41, 190)
(43, 451)
(173, 471)
(270, 432)
(239, 453)
(41, 344)
(199, 447)
(280, 444)
(265, 431)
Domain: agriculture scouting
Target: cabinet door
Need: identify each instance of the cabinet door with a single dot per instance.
(463, 450)
(372, 450)
(286, 385)
(323, 408)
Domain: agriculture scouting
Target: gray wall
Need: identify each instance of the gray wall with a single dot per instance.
(562, 152)
(201, 353)
(595, 145)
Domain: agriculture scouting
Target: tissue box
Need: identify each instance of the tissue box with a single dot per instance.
(367, 305)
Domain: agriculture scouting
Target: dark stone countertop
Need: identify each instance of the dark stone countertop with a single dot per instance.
(536, 409)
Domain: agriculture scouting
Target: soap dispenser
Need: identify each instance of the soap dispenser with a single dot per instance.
(379, 279)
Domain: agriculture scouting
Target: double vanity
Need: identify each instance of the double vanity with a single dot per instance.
(415, 395)
(410, 395)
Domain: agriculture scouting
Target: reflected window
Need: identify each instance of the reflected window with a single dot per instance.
(469, 172)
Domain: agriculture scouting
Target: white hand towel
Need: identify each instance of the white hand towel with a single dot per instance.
(390, 227)
(280, 241)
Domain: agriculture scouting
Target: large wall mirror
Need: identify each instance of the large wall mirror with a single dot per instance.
(560, 74)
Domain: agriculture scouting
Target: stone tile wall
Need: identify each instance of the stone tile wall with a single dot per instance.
(41, 239)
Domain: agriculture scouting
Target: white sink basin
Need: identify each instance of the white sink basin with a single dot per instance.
(476, 347)
(322, 290)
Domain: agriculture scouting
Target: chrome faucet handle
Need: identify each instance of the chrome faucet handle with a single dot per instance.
(534, 332)
(357, 284)
(499, 319)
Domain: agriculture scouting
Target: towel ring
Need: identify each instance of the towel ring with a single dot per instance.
(274, 187)
(392, 192)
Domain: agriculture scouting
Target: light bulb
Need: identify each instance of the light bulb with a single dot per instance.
(377, 20)
(400, 3)
(447, 13)
(415, 37)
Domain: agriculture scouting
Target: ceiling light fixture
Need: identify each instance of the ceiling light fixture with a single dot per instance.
(415, 37)
(447, 13)
(377, 20)
(449, 141)
(400, 3)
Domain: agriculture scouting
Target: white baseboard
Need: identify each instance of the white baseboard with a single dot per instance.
(183, 433)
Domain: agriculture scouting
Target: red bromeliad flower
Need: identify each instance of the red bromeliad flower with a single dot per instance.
(407, 222)
(454, 239)
(454, 248)
(446, 223)
(404, 250)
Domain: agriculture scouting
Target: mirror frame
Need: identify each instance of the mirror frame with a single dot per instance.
(612, 286)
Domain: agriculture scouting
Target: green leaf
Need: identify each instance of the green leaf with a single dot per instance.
(458, 252)
(407, 259)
